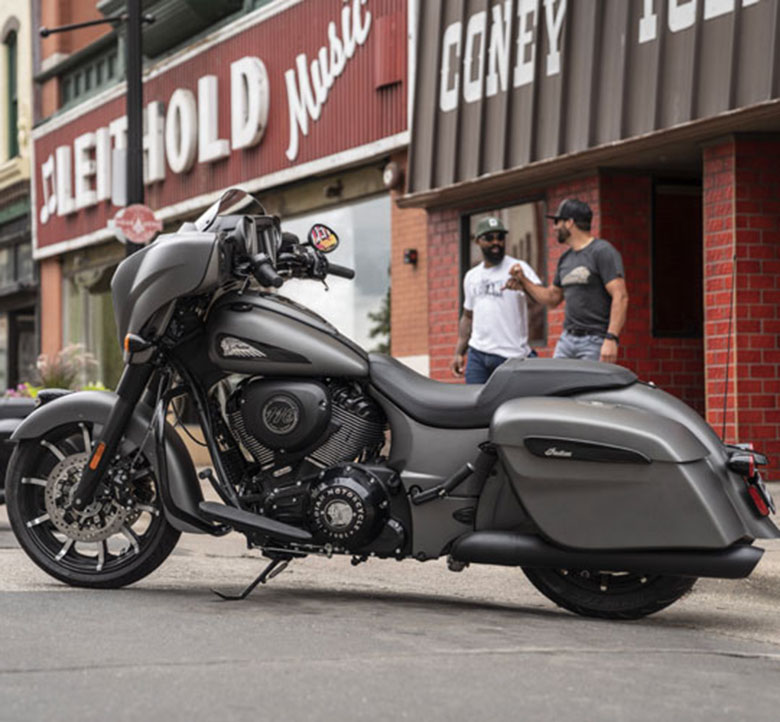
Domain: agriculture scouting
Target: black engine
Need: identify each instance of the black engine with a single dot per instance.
(314, 443)
(277, 421)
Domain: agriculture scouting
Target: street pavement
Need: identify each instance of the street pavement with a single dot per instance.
(381, 641)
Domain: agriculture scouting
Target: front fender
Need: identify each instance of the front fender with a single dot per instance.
(94, 407)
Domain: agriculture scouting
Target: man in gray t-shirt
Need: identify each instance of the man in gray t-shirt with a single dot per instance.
(590, 277)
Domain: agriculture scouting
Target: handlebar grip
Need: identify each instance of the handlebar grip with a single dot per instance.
(266, 275)
(335, 270)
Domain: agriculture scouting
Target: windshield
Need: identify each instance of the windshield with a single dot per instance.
(230, 198)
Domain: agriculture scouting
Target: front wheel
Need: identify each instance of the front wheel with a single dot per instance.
(609, 595)
(117, 540)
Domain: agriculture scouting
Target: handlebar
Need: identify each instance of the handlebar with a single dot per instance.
(263, 270)
(342, 271)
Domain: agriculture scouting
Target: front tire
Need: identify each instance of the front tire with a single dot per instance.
(120, 538)
(609, 595)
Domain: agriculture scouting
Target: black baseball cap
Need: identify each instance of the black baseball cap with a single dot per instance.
(573, 209)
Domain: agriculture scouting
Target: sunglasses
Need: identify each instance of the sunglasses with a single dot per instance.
(493, 237)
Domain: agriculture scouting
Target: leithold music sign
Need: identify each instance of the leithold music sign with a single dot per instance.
(293, 90)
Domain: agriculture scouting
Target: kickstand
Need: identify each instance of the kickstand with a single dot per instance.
(277, 566)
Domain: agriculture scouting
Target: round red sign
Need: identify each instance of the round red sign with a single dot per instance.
(137, 224)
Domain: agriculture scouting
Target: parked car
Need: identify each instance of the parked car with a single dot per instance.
(12, 411)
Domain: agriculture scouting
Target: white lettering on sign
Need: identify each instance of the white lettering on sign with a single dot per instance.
(681, 14)
(210, 146)
(249, 101)
(309, 84)
(85, 168)
(154, 143)
(181, 131)
(498, 55)
(79, 175)
(481, 78)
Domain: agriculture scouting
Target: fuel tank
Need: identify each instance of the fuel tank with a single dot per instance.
(269, 335)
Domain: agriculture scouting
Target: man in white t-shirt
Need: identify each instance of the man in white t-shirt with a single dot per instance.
(494, 324)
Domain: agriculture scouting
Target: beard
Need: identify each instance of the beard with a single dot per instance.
(563, 234)
(494, 254)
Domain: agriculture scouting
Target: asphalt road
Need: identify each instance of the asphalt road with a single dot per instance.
(382, 641)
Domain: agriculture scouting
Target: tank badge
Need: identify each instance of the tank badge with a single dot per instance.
(558, 453)
(281, 415)
(230, 347)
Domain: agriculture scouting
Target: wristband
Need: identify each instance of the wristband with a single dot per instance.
(612, 337)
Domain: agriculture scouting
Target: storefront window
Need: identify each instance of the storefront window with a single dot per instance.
(352, 306)
(6, 266)
(678, 296)
(526, 241)
(24, 262)
(89, 320)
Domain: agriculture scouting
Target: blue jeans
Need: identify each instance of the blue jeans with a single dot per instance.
(480, 365)
(580, 347)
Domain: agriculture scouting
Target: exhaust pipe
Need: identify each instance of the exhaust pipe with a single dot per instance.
(508, 548)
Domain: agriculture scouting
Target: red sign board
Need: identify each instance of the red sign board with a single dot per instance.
(285, 93)
(137, 224)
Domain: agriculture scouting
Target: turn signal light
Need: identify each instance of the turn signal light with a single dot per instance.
(742, 464)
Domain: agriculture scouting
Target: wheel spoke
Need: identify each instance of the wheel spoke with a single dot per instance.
(39, 520)
(54, 450)
(131, 537)
(148, 508)
(87, 440)
(101, 555)
(35, 481)
(62, 552)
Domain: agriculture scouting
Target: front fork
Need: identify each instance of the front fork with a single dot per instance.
(131, 385)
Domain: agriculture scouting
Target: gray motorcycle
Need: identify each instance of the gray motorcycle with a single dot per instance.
(611, 495)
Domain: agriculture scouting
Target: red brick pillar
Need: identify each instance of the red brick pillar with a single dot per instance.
(443, 290)
(742, 244)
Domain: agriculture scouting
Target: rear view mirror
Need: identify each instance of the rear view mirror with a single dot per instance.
(324, 239)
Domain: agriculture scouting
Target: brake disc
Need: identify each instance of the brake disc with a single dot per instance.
(103, 518)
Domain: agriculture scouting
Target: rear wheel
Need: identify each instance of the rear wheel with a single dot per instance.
(609, 595)
(117, 540)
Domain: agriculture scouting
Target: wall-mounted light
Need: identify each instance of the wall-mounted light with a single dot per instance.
(410, 256)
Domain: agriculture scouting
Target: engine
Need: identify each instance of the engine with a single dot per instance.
(280, 421)
(312, 441)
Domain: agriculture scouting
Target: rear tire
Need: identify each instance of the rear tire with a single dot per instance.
(121, 538)
(609, 595)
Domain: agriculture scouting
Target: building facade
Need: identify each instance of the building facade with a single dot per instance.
(663, 115)
(18, 282)
(304, 104)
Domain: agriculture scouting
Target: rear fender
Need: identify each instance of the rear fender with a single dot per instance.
(94, 407)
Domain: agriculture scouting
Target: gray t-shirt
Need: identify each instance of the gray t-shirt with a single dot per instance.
(582, 275)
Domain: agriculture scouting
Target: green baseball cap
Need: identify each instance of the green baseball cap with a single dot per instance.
(489, 225)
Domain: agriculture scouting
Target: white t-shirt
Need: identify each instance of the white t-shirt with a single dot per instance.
(500, 324)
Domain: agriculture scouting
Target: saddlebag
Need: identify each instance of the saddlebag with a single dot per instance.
(593, 475)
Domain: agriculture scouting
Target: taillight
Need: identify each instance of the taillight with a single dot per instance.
(758, 501)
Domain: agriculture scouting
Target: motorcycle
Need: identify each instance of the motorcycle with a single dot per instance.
(611, 495)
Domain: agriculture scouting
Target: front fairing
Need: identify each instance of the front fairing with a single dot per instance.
(149, 281)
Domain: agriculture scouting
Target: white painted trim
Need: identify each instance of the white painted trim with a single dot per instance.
(240, 25)
(54, 59)
(349, 157)
(412, 19)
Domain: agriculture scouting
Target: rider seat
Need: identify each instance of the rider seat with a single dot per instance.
(471, 406)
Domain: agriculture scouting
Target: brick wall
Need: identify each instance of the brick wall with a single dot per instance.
(443, 290)
(674, 364)
(742, 227)
(622, 206)
(409, 283)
